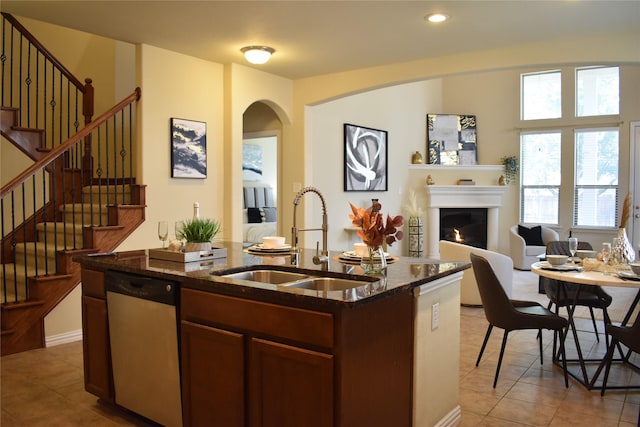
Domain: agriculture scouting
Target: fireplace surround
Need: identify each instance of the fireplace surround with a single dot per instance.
(462, 196)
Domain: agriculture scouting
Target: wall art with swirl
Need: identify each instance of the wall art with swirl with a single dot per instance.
(365, 159)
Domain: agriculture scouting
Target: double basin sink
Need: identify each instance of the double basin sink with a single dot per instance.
(316, 281)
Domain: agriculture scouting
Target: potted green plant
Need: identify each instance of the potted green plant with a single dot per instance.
(511, 168)
(198, 233)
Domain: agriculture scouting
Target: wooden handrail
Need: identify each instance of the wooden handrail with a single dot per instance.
(62, 148)
(48, 54)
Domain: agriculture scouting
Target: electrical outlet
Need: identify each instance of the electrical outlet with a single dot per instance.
(435, 315)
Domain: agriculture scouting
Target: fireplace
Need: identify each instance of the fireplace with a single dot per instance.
(463, 197)
(464, 225)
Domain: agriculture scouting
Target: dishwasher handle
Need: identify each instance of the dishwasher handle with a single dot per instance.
(149, 288)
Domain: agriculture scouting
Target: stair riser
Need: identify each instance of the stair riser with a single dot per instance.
(110, 197)
(87, 218)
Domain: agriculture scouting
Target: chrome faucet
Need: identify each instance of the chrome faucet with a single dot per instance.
(319, 258)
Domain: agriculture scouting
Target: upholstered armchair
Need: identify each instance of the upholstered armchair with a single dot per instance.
(529, 243)
(501, 264)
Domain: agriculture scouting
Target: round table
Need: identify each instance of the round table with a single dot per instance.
(565, 274)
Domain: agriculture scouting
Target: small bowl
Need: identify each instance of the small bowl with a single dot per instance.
(635, 267)
(557, 259)
(272, 242)
(582, 254)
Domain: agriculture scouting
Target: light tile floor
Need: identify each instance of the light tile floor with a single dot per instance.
(45, 387)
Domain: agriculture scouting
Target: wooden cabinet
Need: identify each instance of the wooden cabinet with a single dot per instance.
(289, 386)
(286, 385)
(98, 378)
(212, 376)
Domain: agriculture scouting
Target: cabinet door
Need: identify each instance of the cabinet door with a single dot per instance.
(212, 376)
(95, 343)
(289, 386)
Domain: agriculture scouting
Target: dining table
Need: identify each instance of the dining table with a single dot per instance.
(597, 274)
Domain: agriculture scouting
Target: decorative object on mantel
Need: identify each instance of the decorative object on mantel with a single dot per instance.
(623, 250)
(416, 158)
(511, 168)
(466, 181)
(373, 231)
(501, 180)
(430, 180)
(452, 139)
(416, 226)
(198, 234)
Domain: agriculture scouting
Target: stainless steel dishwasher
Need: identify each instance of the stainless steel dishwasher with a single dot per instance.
(144, 346)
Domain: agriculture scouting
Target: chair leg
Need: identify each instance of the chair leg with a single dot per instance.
(484, 343)
(595, 327)
(608, 359)
(504, 344)
(540, 342)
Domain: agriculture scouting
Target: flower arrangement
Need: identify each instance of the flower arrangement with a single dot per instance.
(412, 207)
(373, 229)
(511, 167)
(199, 230)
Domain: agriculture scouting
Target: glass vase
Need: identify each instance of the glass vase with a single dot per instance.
(374, 261)
(622, 250)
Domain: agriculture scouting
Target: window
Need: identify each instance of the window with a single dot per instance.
(540, 177)
(589, 145)
(597, 91)
(541, 96)
(596, 177)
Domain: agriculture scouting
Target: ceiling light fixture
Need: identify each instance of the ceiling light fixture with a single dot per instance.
(437, 17)
(257, 54)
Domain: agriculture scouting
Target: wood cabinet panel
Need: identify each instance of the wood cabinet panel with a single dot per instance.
(93, 283)
(289, 386)
(304, 326)
(212, 376)
(98, 378)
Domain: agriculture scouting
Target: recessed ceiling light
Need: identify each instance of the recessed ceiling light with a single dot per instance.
(257, 54)
(437, 17)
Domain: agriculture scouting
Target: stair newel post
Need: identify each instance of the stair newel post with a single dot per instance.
(87, 111)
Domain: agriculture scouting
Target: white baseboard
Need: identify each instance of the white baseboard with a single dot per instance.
(451, 419)
(64, 338)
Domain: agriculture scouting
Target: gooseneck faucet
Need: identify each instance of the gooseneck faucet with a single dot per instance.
(322, 258)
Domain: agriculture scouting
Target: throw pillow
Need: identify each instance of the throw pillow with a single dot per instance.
(532, 236)
(270, 214)
(254, 215)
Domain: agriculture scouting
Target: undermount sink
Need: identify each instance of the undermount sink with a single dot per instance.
(275, 277)
(326, 284)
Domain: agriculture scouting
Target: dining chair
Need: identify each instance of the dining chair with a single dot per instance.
(628, 336)
(563, 294)
(511, 315)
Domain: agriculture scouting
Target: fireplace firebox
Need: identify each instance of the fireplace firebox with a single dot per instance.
(464, 225)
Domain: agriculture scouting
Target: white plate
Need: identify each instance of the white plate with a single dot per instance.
(628, 275)
(545, 265)
(353, 256)
(259, 248)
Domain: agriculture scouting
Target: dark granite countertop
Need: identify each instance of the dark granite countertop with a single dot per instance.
(403, 274)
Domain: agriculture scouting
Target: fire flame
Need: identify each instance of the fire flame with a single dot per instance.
(457, 235)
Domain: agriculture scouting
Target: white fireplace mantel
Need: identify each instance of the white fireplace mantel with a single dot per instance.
(462, 196)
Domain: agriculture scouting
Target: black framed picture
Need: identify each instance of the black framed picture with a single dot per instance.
(452, 139)
(365, 158)
(188, 149)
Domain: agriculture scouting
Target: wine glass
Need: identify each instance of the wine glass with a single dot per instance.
(606, 253)
(573, 247)
(179, 235)
(163, 232)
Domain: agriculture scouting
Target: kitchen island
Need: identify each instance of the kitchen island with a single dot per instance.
(382, 353)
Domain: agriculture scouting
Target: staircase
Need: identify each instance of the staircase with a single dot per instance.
(78, 196)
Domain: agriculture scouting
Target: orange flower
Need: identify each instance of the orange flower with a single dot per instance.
(373, 230)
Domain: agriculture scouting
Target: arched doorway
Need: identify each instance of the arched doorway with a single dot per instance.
(262, 130)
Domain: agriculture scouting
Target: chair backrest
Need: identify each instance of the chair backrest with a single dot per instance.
(561, 247)
(497, 306)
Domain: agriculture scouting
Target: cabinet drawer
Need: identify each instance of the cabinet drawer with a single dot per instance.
(93, 283)
(304, 326)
